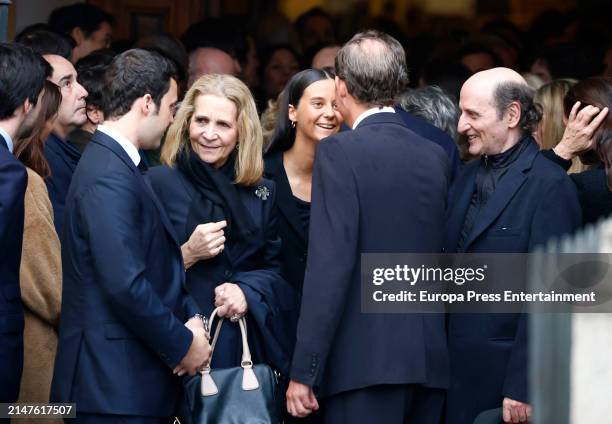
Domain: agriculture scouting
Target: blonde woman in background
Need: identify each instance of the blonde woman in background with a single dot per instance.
(550, 130)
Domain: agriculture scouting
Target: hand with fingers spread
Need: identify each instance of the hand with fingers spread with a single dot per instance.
(198, 354)
(515, 412)
(206, 241)
(301, 400)
(581, 126)
(230, 300)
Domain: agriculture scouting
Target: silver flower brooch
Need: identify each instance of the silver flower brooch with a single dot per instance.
(262, 192)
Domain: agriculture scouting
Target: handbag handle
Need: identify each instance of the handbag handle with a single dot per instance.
(249, 379)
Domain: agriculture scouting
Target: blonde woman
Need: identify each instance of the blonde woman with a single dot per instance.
(550, 130)
(223, 212)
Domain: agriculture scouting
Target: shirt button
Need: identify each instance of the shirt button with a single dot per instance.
(227, 274)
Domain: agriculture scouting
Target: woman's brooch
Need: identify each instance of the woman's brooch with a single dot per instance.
(262, 192)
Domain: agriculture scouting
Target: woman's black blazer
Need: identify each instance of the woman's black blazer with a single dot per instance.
(290, 228)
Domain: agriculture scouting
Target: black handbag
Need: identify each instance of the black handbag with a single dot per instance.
(248, 394)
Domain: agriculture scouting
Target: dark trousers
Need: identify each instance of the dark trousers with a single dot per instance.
(11, 365)
(83, 418)
(388, 404)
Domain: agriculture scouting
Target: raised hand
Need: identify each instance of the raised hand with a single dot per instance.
(206, 241)
(579, 130)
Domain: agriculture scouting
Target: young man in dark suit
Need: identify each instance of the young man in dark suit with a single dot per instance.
(377, 188)
(22, 75)
(124, 301)
(510, 201)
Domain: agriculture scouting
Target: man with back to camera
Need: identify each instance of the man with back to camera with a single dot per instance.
(378, 188)
(123, 302)
(510, 201)
(22, 76)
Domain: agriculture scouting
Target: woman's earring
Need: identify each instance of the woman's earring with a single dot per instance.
(292, 124)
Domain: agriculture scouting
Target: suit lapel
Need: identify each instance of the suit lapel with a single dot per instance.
(504, 192)
(111, 144)
(284, 198)
(144, 180)
(3, 143)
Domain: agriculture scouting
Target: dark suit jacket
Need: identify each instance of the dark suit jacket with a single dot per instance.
(123, 298)
(290, 228)
(379, 188)
(254, 267)
(533, 202)
(63, 158)
(435, 134)
(13, 182)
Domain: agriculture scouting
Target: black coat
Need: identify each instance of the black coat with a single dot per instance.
(124, 303)
(592, 185)
(13, 182)
(255, 268)
(378, 188)
(533, 202)
(290, 229)
(594, 195)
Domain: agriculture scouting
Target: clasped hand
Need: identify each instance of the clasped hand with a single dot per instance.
(230, 300)
(515, 412)
(301, 400)
(199, 352)
(206, 241)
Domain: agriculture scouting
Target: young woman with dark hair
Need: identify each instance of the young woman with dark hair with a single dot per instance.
(306, 114)
(30, 150)
(41, 268)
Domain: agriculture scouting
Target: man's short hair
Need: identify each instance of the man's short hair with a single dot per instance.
(90, 74)
(509, 91)
(373, 66)
(42, 40)
(79, 15)
(131, 75)
(22, 76)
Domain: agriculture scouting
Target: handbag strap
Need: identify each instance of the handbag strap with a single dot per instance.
(246, 351)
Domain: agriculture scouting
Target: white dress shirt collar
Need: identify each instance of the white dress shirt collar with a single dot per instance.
(7, 138)
(129, 148)
(369, 112)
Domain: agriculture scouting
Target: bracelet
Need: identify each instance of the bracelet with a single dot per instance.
(204, 320)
